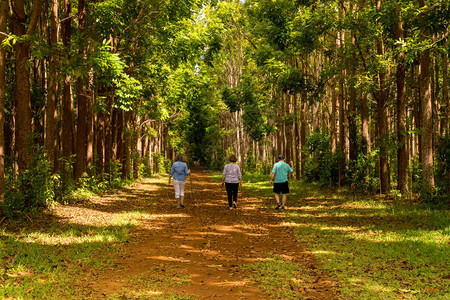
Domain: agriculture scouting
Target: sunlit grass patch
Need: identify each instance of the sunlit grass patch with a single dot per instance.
(376, 249)
(279, 278)
(57, 258)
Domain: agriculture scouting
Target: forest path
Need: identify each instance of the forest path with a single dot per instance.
(201, 250)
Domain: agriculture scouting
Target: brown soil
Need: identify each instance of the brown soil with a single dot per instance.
(205, 243)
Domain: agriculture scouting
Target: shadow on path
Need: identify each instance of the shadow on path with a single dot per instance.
(204, 245)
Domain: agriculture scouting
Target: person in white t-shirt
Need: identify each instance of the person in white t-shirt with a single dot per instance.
(232, 178)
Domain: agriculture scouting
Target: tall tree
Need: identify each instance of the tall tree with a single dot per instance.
(4, 11)
(67, 105)
(381, 96)
(402, 152)
(426, 112)
(22, 91)
(82, 97)
(52, 83)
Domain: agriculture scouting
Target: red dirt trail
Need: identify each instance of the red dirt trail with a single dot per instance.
(206, 243)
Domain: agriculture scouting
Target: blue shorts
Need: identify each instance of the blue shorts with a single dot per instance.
(281, 188)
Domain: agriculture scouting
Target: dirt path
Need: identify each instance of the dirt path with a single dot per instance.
(204, 244)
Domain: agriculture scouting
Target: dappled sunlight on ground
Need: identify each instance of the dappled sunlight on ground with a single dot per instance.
(206, 241)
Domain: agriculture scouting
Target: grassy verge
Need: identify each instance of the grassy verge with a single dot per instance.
(374, 248)
(54, 261)
(58, 253)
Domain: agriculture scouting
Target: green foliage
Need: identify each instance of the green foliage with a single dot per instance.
(361, 174)
(250, 162)
(321, 165)
(31, 190)
(443, 169)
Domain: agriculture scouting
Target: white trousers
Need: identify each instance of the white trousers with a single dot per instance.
(179, 188)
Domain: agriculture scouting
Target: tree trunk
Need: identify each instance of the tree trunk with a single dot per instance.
(352, 110)
(402, 151)
(302, 133)
(365, 142)
(341, 132)
(297, 138)
(445, 107)
(333, 133)
(381, 99)
(51, 129)
(100, 147)
(67, 106)
(23, 142)
(4, 9)
(82, 100)
(426, 115)
(109, 133)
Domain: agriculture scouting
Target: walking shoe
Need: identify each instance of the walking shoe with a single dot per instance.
(230, 208)
(234, 204)
(283, 208)
(278, 206)
(181, 206)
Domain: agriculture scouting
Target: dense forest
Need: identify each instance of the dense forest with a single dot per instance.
(355, 93)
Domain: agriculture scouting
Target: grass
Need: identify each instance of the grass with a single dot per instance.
(54, 263)
(279, 278)
(374, 248)
(56, 255)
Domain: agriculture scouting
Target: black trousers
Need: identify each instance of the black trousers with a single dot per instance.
(232, 191)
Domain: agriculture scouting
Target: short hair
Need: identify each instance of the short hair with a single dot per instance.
(232, 158)
(180, 157)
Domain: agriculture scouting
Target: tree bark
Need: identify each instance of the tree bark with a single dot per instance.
(381, 99)
(445, 107)
(341, 132)
(82, 100)
(365, 142)
(297, 138)
(426, 115)
(402, 151)
(4, 10)
(23, 139)
(67, 106)
(51, 129)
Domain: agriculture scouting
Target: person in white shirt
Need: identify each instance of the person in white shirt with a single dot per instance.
(232, 178)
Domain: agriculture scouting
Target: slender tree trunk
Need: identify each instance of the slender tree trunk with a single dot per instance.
(341, 132)
(445, 107)
(381, 119)
(4, 9)
(365, 142)
(302, 133)
(402, 152)
(90, 138)
(426, 116)
(100, 147)
(297, 138)
(126, 145)
(67, 106)
(22, 80)
(333, 132)
(52, 84)
(82, 100)
(109, 133)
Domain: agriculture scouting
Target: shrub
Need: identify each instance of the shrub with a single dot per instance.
(322, 165)
(361, 173)
(31, 190)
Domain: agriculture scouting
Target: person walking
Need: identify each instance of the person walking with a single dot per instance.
(232, 178)
(179, 171)
(280, 172)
